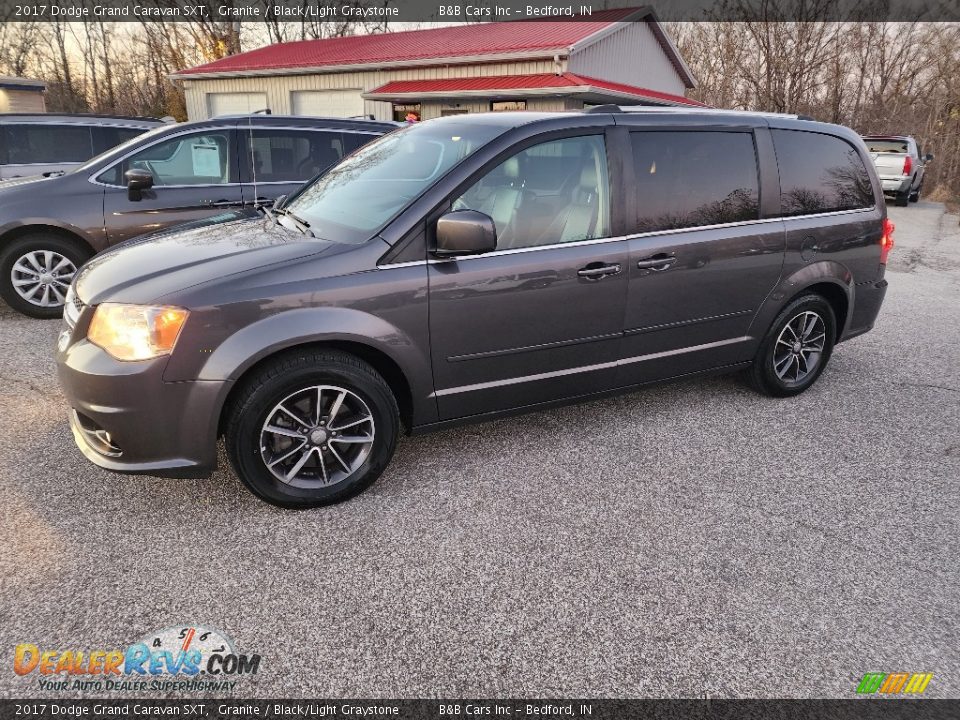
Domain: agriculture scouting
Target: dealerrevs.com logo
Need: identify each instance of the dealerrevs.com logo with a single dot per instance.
(184, 658)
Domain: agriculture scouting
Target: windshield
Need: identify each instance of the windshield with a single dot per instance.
(357, 198)
(122, 147)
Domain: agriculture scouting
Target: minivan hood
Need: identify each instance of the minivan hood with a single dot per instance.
(144, 269)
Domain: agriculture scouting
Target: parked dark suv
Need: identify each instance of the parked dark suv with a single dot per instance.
(467, 267)
(176, 173)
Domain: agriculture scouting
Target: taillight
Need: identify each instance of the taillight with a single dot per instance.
(907, 165)
(886, 240)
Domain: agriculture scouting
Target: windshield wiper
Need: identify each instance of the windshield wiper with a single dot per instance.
(301, 224)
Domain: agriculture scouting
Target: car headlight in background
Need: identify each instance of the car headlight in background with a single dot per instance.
(136, 332)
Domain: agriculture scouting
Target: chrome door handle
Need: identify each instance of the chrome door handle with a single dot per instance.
(660, 261)
(594, 271)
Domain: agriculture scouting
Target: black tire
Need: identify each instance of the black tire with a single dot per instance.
(764, 375)
(915, 195)
(15, 251)
(902, 199)
(286, 377)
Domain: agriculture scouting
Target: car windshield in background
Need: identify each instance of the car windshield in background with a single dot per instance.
(358, 197)
(875, 145)
(122, 147)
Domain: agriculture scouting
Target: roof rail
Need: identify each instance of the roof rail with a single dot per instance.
(688, 109)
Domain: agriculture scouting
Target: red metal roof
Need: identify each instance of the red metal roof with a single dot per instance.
(458, 41)
(565, 84)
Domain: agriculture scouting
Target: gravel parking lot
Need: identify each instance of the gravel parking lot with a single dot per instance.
(686, 540)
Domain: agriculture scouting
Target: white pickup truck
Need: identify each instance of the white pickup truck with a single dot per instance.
(899, 165)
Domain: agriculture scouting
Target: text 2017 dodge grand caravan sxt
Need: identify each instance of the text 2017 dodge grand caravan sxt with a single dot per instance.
(470, 266)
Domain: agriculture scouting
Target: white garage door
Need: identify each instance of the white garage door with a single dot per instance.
(235, 103)
(327, 103)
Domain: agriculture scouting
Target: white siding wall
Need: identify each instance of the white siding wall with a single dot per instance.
(279, 87)
(630, 55)
(18, 101)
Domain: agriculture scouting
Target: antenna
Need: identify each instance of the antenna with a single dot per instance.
(253, 163)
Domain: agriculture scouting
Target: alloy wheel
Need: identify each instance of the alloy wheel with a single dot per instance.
(317, 436)
(42, 277)
(799, 347)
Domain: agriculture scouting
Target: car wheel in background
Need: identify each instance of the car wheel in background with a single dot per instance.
(36, 270)
(902, 199)
(796, 348)
(312, 428)
(915, 195)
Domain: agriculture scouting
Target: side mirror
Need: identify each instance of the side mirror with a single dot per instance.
(928, 157)
(137, 181)
(465, 232)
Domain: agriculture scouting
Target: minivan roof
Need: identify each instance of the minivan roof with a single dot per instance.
(78, 118)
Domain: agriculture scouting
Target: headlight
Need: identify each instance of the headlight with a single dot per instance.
(136, 332)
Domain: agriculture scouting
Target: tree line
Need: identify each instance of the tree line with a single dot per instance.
(876, 77)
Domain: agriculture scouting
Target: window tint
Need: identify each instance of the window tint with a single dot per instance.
(550, 193)
(201, 159)
(292, 155)
(819, 173)
(694, 179)
(27, 144)
(107, 137)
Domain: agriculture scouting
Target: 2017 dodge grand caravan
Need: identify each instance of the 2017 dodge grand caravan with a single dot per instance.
(470, 266)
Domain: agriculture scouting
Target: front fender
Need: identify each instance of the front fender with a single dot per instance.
(275, 333)
(794, 283)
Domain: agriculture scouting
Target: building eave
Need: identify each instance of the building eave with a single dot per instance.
(539, 54)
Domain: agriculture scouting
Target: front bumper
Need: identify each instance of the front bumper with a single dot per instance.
(125, 418)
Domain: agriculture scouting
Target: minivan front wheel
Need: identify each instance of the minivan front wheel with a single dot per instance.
(796, 348)
(312, 428)
(35, 272)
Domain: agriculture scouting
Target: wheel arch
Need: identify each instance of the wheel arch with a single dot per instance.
(386, 366)
(829, 279)
(32, 228)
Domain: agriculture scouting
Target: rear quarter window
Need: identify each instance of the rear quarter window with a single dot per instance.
(820, 173)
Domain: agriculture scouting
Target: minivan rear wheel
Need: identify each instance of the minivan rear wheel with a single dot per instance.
(36, 270)
(312, 428)
(796, 348)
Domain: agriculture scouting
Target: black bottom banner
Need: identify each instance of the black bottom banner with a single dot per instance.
(145, 709)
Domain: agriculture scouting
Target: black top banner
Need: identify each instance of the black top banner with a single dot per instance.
(406, 11)
(309, 709)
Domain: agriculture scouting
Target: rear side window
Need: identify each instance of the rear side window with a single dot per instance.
(107, 137)
(292, 155)
(30, 144)
(819, 173)
(694, 179)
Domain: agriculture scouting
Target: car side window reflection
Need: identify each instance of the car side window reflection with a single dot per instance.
(694, 179)
(555, 192)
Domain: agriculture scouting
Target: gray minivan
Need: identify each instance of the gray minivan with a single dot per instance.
(46, 143)
(49, 226)
(467, 267)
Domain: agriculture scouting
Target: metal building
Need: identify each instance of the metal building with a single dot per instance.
(617, 56)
